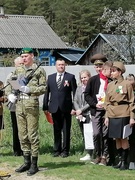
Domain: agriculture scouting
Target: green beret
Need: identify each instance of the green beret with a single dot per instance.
(98, 59)
(26, 50)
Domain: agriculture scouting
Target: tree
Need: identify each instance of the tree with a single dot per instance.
(7, 59)
(121, 22)
(15, 6)
(74, 21)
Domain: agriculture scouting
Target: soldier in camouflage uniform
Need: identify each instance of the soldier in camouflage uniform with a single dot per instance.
(27, 110)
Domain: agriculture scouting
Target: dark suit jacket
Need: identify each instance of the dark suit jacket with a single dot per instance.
(55, 98)
(91, 90)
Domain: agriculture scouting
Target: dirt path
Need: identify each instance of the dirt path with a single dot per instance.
(23, 176)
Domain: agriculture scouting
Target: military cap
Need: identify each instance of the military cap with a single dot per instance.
(98, 59)
(26, 50)
(120, 66)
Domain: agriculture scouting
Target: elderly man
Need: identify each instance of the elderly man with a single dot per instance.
(27, 109)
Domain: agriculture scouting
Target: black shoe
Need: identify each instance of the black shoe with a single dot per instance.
(23, 168)
(33, 170)
(64, 155)
(26, 165)
(111, 162)
(56, 154)
(118, 165)
(123, 166)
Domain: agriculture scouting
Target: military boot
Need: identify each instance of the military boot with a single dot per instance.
(119, 158)
(26, 165)
(33, 168)
(124, 164)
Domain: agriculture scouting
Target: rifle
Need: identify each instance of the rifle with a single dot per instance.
(24, 81)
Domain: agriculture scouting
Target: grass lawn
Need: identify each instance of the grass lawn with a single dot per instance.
(70, 168)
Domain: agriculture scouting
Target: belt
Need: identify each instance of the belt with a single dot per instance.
(26, 96)
(119, 103)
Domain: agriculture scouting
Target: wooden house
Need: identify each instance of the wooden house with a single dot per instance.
(115, 47)
(19, 31)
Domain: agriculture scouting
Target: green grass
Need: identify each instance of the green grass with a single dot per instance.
(64, 168)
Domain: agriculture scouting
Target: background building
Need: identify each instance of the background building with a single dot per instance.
(19, 31)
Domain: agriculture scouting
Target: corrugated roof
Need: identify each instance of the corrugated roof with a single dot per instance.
(123, 44)
(73, 57)
(76, 49)
(120, 43)
(18, 31)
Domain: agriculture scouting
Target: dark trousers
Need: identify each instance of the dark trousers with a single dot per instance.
(16, 142)
(61, 127)
(111, 150)
(100, 134)
(1, 122)
(132, 146)
(81, 127)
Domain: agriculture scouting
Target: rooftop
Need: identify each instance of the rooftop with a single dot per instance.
(18, 31)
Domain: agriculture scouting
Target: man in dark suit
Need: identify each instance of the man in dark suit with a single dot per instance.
(61, 86)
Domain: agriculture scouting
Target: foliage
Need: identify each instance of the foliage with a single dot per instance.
(120, 22)
(113, 55)
(7, 59)
(74, 21)
(15, 6)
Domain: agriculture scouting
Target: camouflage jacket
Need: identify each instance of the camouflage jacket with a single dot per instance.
(37, 83)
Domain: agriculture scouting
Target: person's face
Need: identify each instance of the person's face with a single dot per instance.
(107, 71)
(84, 78)
(27, 59)
(98, 68)
(115, 74)
(19, 62)
(131, 79)
(60, 66)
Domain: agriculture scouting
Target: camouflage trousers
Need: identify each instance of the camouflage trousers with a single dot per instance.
(27, 120)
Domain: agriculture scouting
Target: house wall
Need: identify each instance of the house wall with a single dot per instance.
(113, 48)
(97, 47)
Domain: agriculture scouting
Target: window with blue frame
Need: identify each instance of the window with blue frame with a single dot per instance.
(45, 61)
